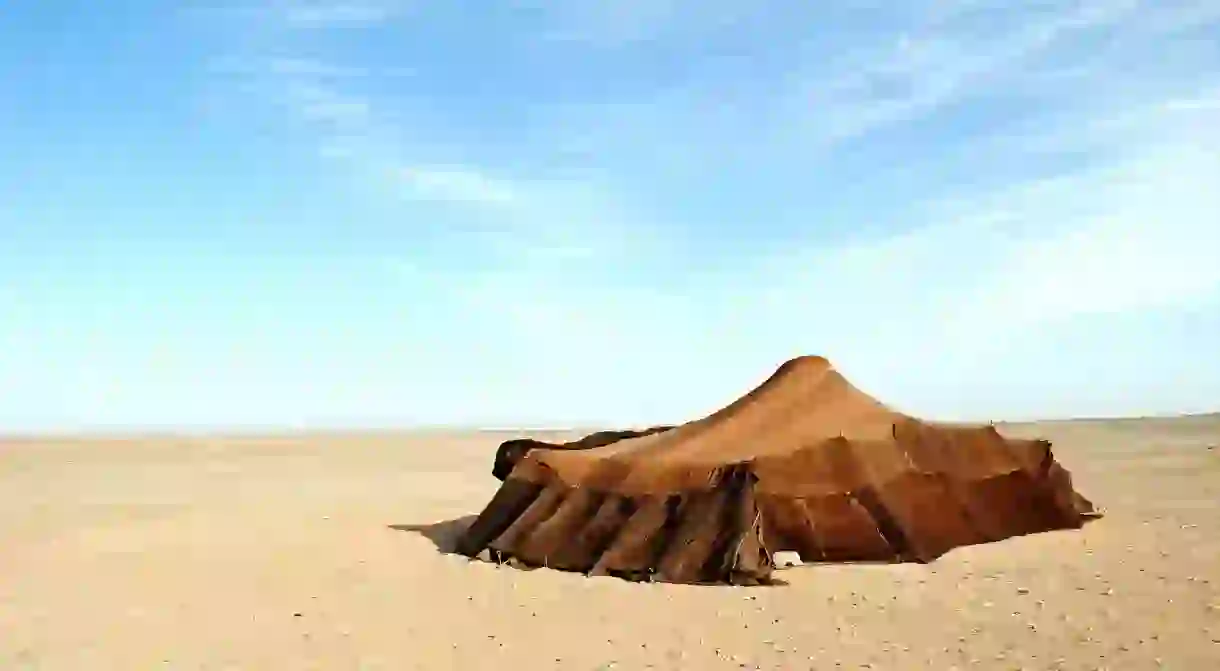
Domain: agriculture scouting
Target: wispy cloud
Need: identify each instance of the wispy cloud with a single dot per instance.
(325, 105)
(288, 67)
(941, 62)
(600, 23)
(510, 213)
(1034, 62)
(1130, 237)
(327, 13)
(312, 68)
(307, 14)
(1026, 165)
(1009, 268)
(462, 184)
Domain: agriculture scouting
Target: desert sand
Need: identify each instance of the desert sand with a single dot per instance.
(321, 552)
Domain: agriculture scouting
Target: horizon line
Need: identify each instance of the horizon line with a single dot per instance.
(277, 430)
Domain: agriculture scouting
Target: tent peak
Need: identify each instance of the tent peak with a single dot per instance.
(806, 362)
(805, 367)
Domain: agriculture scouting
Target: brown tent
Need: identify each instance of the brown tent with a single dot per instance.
(806, 462)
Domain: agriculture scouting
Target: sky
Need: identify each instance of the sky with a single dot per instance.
(372, 213)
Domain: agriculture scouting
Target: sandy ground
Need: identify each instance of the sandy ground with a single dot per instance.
(282, 553)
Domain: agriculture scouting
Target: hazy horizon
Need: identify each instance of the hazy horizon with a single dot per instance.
(276, 431)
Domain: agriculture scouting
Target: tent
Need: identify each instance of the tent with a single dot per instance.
(805, 462)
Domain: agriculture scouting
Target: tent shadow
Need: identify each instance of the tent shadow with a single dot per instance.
(443, 535)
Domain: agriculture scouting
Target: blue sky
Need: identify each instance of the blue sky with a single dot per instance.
(238, 213)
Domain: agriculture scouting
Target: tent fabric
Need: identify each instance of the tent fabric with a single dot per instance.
(806, 462)
(512, 451)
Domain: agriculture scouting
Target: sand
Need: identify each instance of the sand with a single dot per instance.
(296, 553)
